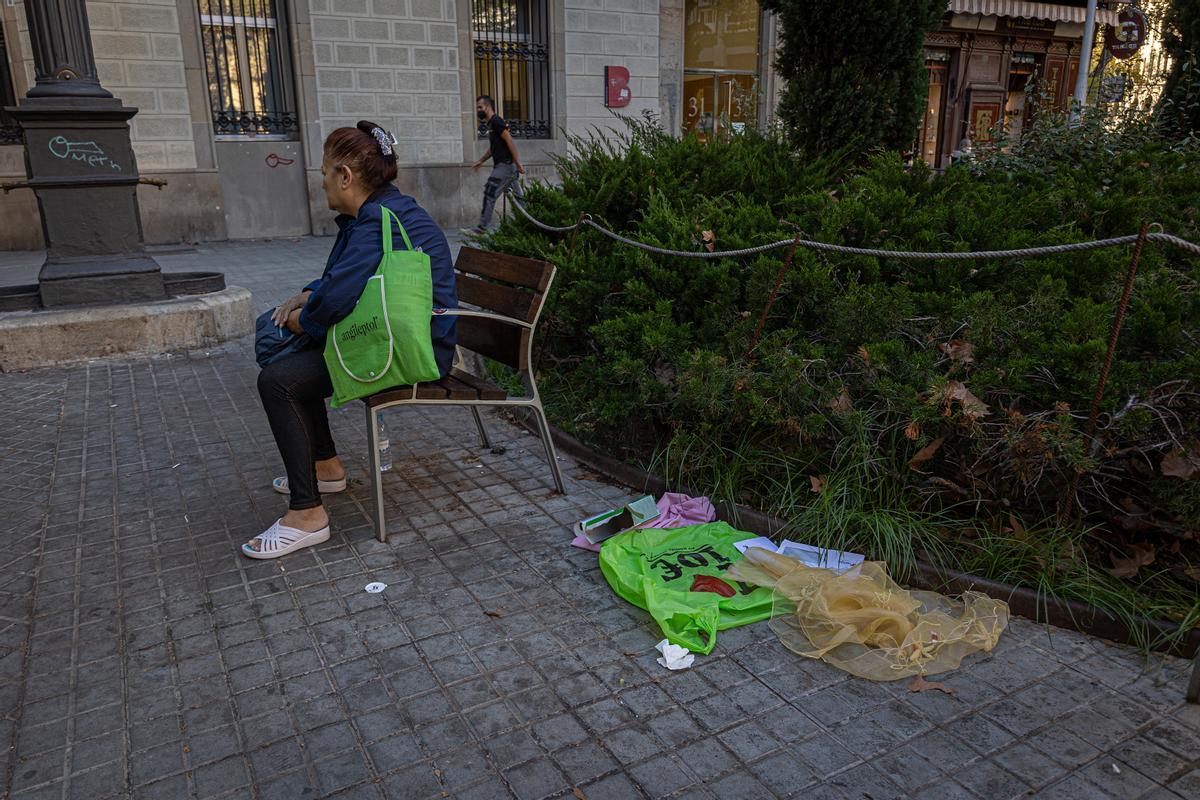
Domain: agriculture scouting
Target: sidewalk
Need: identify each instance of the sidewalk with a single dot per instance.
(142, 656)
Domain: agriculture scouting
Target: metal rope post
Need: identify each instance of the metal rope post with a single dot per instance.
(762, 320)
(1093, 415)
(575, 235)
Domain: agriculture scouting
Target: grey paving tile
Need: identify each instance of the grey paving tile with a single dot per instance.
(201, 674)
(536, 779)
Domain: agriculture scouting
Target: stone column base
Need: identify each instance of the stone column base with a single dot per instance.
(58, 337)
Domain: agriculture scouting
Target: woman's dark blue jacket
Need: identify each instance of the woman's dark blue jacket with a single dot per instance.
(355, 257)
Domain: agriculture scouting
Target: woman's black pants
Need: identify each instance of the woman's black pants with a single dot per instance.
(293, 391)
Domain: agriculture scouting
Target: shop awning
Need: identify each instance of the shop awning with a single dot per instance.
(1019, 8)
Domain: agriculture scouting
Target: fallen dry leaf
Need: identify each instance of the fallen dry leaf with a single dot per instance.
(1182, 463)
(919, 684)
(1018, 530)
(864, 353)
(972, 406)
(1193, 573)
(961, 351)
(709, 238)
(495, 614)
(818, 483)
(579, 793)
(842, 402)
(585, 475)
(926, 453)
(912, 431)
(1143, 556)
(437, 773)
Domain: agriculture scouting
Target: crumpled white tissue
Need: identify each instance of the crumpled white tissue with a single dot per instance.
(674, 656)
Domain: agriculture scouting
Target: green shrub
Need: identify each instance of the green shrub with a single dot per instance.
(867, 361)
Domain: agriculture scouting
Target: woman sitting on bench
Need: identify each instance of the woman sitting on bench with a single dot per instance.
(358, 168)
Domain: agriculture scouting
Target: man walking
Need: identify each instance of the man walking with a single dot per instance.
(506, 164)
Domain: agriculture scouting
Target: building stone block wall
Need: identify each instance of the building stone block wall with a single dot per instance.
(139, 56)
(395, 62)
(600, 33)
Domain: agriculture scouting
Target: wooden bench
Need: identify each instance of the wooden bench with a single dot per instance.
(500, 299)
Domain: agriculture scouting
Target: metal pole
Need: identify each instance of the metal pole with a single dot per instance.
(1085, 61)
(1089, 431)
(762, 320)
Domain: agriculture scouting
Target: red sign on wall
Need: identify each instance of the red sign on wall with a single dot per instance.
(616, 87)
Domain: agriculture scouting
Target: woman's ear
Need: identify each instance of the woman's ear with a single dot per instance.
(345, 177)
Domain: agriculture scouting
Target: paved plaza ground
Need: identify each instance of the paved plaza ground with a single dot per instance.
(142, 656)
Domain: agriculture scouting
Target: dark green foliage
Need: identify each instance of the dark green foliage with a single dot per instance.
(854, 69)
(862, 362)
(1180, 101)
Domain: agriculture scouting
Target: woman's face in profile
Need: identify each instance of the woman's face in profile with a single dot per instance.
(336, 181)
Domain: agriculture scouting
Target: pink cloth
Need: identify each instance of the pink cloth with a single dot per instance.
(674, 511)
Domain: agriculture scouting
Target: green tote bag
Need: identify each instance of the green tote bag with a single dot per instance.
(385, 341)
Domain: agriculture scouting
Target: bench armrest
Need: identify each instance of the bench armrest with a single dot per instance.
(466, 312)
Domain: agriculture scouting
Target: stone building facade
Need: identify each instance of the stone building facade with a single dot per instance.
(235, 97)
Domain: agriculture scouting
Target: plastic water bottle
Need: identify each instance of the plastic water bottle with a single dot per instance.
(385, 447)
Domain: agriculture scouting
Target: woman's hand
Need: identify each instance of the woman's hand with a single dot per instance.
(285, 309)
(293, 321)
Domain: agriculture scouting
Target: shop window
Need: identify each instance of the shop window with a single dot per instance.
(10, 132)
(247, 66)
(720, 62)
(512, 63)
(1022, 83)
(929, 143)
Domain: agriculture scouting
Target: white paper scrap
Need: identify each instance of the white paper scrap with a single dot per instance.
(819, 558)
(674, 656)
(375, 588)
(758, 541)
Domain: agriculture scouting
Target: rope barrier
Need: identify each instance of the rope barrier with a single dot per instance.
(983, 255)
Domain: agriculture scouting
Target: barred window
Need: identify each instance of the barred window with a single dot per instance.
(245, 59)
(512, 63)
(10, 132)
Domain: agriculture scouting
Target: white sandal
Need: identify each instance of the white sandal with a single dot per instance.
(279, 540)
(323, 487)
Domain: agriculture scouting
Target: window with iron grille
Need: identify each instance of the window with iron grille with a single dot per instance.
(512, 63)
(248, 69)
(10, 132)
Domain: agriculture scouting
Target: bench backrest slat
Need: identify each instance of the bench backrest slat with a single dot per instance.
(507, 300)
(526, 272)
(502, 284)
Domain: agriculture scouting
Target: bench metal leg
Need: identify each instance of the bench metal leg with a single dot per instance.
(1193, 691)
(376, 475)
(548, 443)
(483, 437)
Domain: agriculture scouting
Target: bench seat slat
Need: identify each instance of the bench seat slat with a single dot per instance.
(486, 389)
(425, 391)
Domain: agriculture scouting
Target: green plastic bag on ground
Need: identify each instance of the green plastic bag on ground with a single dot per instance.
(385, 341)
(675, 574)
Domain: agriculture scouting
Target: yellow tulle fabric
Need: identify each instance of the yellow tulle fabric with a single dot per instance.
(865, 623)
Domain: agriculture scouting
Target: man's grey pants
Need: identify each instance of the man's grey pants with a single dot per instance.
(503, 176)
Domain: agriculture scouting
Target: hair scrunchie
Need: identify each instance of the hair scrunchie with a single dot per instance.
(386, 141)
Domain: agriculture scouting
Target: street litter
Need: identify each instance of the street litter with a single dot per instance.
(675, 510)
(673, 656)
(807, 554)
(863, 622)
(678, 575)
(374, 588)
(617, 520)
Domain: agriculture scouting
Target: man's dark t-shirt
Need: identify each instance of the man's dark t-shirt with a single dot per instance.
(500, 152)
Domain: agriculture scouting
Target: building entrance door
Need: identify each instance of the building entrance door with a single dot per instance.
(721, 69)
